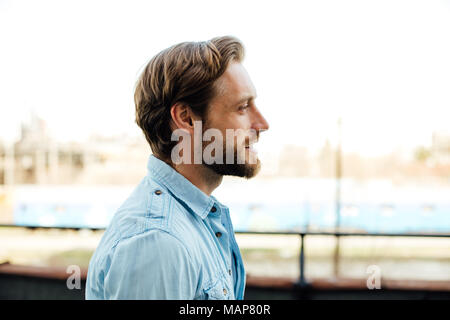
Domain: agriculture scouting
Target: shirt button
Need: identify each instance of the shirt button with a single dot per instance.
(158, 192)
(229, 272)
(225, 291)
(213, 209)
(218, 234)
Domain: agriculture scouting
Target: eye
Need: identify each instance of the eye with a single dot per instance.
(243, 107)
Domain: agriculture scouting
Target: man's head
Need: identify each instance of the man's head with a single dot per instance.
(201, 81)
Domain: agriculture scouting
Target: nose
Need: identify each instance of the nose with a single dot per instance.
(260, 124)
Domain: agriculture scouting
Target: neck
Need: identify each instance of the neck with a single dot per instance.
(200, 176)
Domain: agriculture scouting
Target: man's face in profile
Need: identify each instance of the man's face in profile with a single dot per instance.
(233, 107)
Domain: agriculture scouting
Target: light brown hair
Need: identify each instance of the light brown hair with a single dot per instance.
(186, 73)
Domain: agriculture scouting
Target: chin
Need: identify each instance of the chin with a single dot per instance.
(252, 170)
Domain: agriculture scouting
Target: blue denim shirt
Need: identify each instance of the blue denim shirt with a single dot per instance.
(169, 240)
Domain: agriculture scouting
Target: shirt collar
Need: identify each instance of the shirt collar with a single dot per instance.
(180, 187)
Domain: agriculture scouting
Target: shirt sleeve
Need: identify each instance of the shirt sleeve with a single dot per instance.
(152, 265)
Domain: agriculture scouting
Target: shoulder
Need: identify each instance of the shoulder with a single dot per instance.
(150, 216)
(147, 207)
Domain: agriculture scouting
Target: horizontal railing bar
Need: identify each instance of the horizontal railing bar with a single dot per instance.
(348, 234)
(297, 233)
(48, 227)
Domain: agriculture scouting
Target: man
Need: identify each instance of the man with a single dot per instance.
(172, 239)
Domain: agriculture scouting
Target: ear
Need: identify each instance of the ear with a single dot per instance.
(182, 117)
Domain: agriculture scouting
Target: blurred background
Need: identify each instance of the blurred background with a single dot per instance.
(355, 166)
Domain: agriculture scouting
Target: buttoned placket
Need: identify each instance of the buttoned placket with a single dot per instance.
(234, 249)
(218, 237)
(221, 240)
(229, 245)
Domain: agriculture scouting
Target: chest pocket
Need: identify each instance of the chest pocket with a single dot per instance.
(218, 291)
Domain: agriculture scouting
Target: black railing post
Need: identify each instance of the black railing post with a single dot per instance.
(302, 285)
(302, 260)
(338, 198)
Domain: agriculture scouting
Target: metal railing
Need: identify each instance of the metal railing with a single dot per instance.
(301, 282)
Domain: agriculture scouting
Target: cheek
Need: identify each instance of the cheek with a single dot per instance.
(217, 121)
(229, 120)
(240, 122)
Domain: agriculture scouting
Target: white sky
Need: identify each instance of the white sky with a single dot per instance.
(383, 66)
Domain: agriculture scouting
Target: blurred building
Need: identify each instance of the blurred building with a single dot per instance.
(38, 158)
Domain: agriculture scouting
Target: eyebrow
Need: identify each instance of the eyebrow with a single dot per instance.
(246, 98)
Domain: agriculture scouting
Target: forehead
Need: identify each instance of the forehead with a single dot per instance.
(235, 83)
